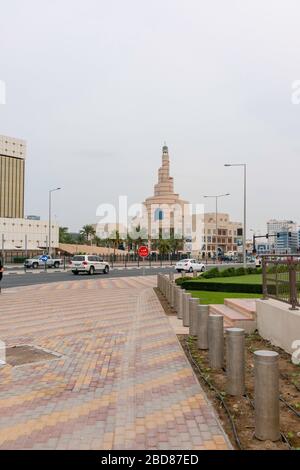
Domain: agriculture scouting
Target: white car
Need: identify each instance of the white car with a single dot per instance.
(189, 266)
(258, 262)
(90, 264)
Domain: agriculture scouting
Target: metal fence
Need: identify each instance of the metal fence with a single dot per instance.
(281, 278)
(122, 260)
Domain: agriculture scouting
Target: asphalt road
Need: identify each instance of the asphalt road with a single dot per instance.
(17, 280)
(30, 278)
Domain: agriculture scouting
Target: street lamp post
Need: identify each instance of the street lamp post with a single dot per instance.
(253, 241)
(50, 204)
(217, 197)
(244, 165)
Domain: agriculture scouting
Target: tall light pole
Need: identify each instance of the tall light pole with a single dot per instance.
(216, 198)
(244, 165)
(50, 204)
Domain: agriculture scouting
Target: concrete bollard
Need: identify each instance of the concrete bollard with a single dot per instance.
(182, 273)
(180, 304)
(266, 386)
(186, 309)
(216, 341)
(195, 274)
(202, 327)
(193, 316)
(235, 361)
(171, 276)
(159, 282)
(165, 286)
(173, 295)
(167, 290)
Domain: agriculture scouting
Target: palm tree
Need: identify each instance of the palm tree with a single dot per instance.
(138, 237)
(115, 239)
(88, 232)
(64, 235)
(98, 241)
(176, 244)
(163, 246)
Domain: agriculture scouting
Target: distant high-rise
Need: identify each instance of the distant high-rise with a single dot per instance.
(12, 173)
(274, 226)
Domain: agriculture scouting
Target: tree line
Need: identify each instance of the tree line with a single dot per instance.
(88, 235)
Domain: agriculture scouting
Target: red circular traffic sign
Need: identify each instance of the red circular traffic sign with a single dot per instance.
(143, 251)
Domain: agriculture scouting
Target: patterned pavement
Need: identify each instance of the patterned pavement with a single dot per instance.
(120, 380)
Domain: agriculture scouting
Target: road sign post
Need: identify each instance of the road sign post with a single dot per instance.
(143, 253)
(44, 258)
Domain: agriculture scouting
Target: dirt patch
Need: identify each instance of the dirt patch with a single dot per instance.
(241, 408)
(25, 354)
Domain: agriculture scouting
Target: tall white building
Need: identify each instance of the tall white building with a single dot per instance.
(16, 232)
(274, 226)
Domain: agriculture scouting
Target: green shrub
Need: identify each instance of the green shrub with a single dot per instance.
(279, 268)
(179, 281)
(240, 271)
(19, 259)
(251, 270)
(188, 284)
(214, 272)
(229, 272)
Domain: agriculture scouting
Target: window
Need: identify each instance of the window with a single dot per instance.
(158, 214)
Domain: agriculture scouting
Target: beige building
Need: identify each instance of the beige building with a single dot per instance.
(223, 237)
(26, 234)
(165, 209)
(227, 240)
(12, 173)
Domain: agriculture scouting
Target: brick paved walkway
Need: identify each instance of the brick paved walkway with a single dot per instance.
(121, 382)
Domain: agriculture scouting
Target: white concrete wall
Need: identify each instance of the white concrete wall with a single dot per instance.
(277, 323)
(14, 230)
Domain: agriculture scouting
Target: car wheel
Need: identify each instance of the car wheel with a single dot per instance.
(178, 270)
(35, 265)
(56, 264)
(75, 272)
(92, 270)
(106, 270)
(190, 270)
(203, 269)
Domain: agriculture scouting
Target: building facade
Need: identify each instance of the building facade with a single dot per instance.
(286, 242)
(222, 237)
(274, 226)
(12, 176)
(27, 234)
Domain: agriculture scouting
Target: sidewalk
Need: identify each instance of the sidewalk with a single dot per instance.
(121, 380)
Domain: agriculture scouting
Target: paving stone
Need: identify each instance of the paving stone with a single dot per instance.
(121, 380)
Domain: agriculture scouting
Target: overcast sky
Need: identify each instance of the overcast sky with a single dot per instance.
(96, 87)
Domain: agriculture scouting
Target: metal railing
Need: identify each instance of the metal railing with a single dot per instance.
(281, 278)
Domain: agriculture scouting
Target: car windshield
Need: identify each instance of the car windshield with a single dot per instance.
(78, 258)
(37, 257)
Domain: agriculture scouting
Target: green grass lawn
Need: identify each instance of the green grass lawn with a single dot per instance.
(247, 279)
(210, 297)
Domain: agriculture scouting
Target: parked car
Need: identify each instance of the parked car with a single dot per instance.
(90, 264)
(189, 266)
(37, 262)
